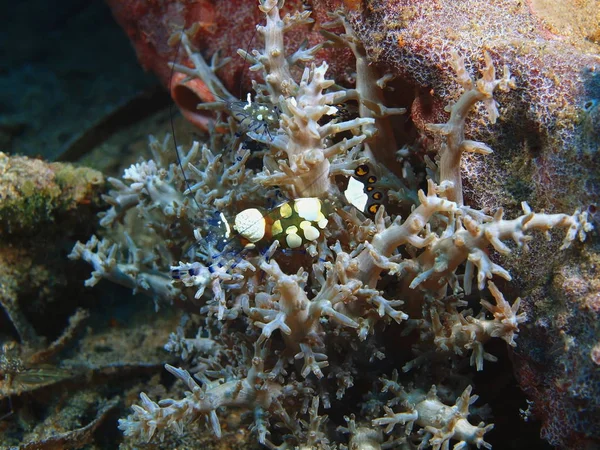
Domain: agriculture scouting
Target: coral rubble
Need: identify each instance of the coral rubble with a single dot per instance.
(306, 298)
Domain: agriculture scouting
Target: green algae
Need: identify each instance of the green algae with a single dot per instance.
(34, 194)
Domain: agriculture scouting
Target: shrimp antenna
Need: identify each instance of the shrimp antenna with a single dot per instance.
(172, 72)
(245, 65)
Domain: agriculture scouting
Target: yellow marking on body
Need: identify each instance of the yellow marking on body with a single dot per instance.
(292, 229)
(285, 210)
(310, 232)
(276, 228)
(308, 208)
(355, 194)
(361, 171)
(293, 240)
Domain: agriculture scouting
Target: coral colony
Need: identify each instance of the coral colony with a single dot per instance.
(302, 257)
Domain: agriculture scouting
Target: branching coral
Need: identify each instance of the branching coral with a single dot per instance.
(440, 422)
(264, 308)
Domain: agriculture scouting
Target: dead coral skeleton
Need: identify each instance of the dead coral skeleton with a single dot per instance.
(325, 308)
